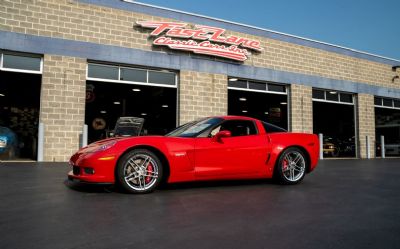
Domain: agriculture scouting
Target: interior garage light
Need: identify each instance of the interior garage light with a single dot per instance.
(333, 92)
(117, 103)
(164, 106)
(283, 103)
(103, 112)
(266, 113)
(233, 79)
(244, 111)
(242, 99)
(143, 114)
(2, 95)
(136, 90)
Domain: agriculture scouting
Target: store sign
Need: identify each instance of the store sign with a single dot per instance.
(201, 40)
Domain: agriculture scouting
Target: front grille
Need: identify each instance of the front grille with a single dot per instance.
(76, 170)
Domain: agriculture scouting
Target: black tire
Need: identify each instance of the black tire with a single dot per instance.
(139, 171)
(291, 166)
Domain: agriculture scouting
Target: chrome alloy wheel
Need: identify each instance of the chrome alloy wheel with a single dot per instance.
(141, 172)
(293, 166)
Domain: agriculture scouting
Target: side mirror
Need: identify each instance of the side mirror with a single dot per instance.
(218, 137)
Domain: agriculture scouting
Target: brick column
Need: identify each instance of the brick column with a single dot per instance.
(201, 95)
(301, 113)
(62, 105)
(366, 124)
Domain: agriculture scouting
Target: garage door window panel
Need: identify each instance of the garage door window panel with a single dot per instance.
(103, 72)
(161, 78)
(134, 75)
(17, 62)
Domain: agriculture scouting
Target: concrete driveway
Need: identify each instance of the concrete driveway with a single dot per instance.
(342, 204)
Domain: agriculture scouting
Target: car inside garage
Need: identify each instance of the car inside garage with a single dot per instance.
(262, 100)
(387, 125)
(334, 118)
(115, 91)
(20, 77)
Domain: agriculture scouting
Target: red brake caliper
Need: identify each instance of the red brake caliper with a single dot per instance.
(149, 172)
(285, 165)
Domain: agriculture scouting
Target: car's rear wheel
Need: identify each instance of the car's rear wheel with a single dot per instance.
(139, 171)
(291, 166)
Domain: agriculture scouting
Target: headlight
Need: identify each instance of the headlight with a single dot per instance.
(105, 146)
(3, 142)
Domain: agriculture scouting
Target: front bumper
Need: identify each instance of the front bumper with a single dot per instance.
(92, 168)
(72, 178)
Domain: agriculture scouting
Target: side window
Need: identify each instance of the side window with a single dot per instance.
(270, 128)
(236, 127)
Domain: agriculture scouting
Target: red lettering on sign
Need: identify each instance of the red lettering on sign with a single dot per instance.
(206, 34)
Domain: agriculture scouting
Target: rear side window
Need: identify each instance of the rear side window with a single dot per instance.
(237, 128)
(270, 128)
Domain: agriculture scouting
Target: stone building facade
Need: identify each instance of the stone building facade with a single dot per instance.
(69, 34)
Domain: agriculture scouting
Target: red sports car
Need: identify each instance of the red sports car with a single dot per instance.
(213, 148)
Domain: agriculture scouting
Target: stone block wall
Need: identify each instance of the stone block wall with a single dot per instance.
(62, 105)
(366, 124)
(202, 94)
(300, 108)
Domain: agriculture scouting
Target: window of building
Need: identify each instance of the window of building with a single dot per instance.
(124, 74)
(387, 102)
(332, 96)
(18, 62)
(241, 84)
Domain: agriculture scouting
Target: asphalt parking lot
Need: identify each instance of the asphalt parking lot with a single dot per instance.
(343, 204)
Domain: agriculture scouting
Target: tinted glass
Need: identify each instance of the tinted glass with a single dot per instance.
(378, 101)
(318, 94)
(136, 75)
(396, 103)
(345, 97)
(162, 78)
(332, 96)
(21, 62)
(276, 88)
(238, 84)
(103, 72)
(257, 86)
(270, 128)
(239, 127)
(195, 128)
(387, 102)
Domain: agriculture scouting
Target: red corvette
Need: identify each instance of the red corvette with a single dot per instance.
(226, 147)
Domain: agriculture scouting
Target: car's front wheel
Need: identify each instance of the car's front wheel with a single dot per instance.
(139, 171)
(291, 166)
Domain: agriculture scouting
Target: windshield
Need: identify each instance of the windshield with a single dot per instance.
(195, 128)
(127, 131)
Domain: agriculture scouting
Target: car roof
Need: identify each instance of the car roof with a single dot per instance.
(229, 117)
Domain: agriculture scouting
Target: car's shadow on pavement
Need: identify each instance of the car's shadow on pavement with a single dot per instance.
(90, 188)
(216, 184)
(110, 188)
